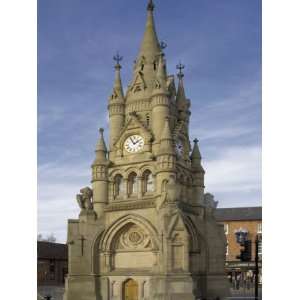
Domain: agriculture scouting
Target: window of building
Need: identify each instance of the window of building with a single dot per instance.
(52, 269)
(227, 248)
(260, 248)
(119, 185)
(148, 182)
(226, 228)
(259, 228)
(132, 184)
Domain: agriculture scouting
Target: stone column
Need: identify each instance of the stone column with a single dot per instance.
(140, 187)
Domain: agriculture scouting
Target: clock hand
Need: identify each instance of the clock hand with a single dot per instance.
(132, 141)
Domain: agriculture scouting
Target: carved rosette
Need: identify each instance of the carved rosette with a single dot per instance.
(134, 238)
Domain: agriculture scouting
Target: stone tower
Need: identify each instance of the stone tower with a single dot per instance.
(146, 229)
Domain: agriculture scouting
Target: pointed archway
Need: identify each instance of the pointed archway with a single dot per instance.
(130, 290)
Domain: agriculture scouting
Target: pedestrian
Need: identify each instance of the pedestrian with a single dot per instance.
(248, 280)
(238, 279)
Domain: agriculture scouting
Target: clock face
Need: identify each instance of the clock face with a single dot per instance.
(179, 147)
(134, 143)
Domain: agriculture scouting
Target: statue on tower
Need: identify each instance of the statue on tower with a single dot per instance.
(84, 199)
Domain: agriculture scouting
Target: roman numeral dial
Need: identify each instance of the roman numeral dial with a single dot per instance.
(134, 143)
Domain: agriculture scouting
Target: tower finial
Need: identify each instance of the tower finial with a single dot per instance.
(180, 67)
(117, 58)
(150, 5)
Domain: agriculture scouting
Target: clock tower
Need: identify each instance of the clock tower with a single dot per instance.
(146, 229)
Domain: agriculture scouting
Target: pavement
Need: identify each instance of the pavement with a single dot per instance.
(244, 294)
(57, 293)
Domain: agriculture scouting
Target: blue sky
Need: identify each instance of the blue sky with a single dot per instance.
(218, 41)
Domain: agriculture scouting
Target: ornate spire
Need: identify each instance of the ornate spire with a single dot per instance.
(118, 88)
(196, 158)
(101, 149)
(180, 91)
(196, 152)
(150, 47)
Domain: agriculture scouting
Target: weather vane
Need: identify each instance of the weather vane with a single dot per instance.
(118, 58)
(180, 67)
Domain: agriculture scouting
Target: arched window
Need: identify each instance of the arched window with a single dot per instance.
(148, 182)
(132, 184)
(119, 185)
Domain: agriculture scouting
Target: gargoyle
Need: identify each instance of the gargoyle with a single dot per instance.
(84, 199)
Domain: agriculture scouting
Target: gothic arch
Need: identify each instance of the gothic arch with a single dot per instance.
(146, 167)
(130, 170)
(115, 172)
(108, 236)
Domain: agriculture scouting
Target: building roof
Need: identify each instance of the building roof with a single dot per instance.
(239, 213)
(47, 250)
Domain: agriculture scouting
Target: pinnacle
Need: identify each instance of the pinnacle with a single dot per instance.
(196, 152)
(101, 143)
(180, 91)
(150, 46)
(118, 88)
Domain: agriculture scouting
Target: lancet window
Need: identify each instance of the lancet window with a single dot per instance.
(148, 182)
(132, 184)
(119, 185)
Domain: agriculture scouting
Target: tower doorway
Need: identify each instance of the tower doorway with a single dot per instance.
(130, 290)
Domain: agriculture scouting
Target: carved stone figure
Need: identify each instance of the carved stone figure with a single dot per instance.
(84, 199)
(209, 201)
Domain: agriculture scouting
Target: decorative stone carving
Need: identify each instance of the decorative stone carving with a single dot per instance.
(209, 201)
(134, 238)
(84, 199)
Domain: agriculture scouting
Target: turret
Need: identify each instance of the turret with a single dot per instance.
(99, 176)
(116, 105)
(198, 174)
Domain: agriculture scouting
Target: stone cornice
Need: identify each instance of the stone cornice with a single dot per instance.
(133, 204)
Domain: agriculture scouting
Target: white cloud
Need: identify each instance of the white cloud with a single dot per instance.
(58, 185)
(235, 170)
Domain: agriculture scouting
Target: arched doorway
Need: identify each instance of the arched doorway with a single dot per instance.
(130, 290)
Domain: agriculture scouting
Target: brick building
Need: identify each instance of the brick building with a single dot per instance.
(52, 263)
(248, 218)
